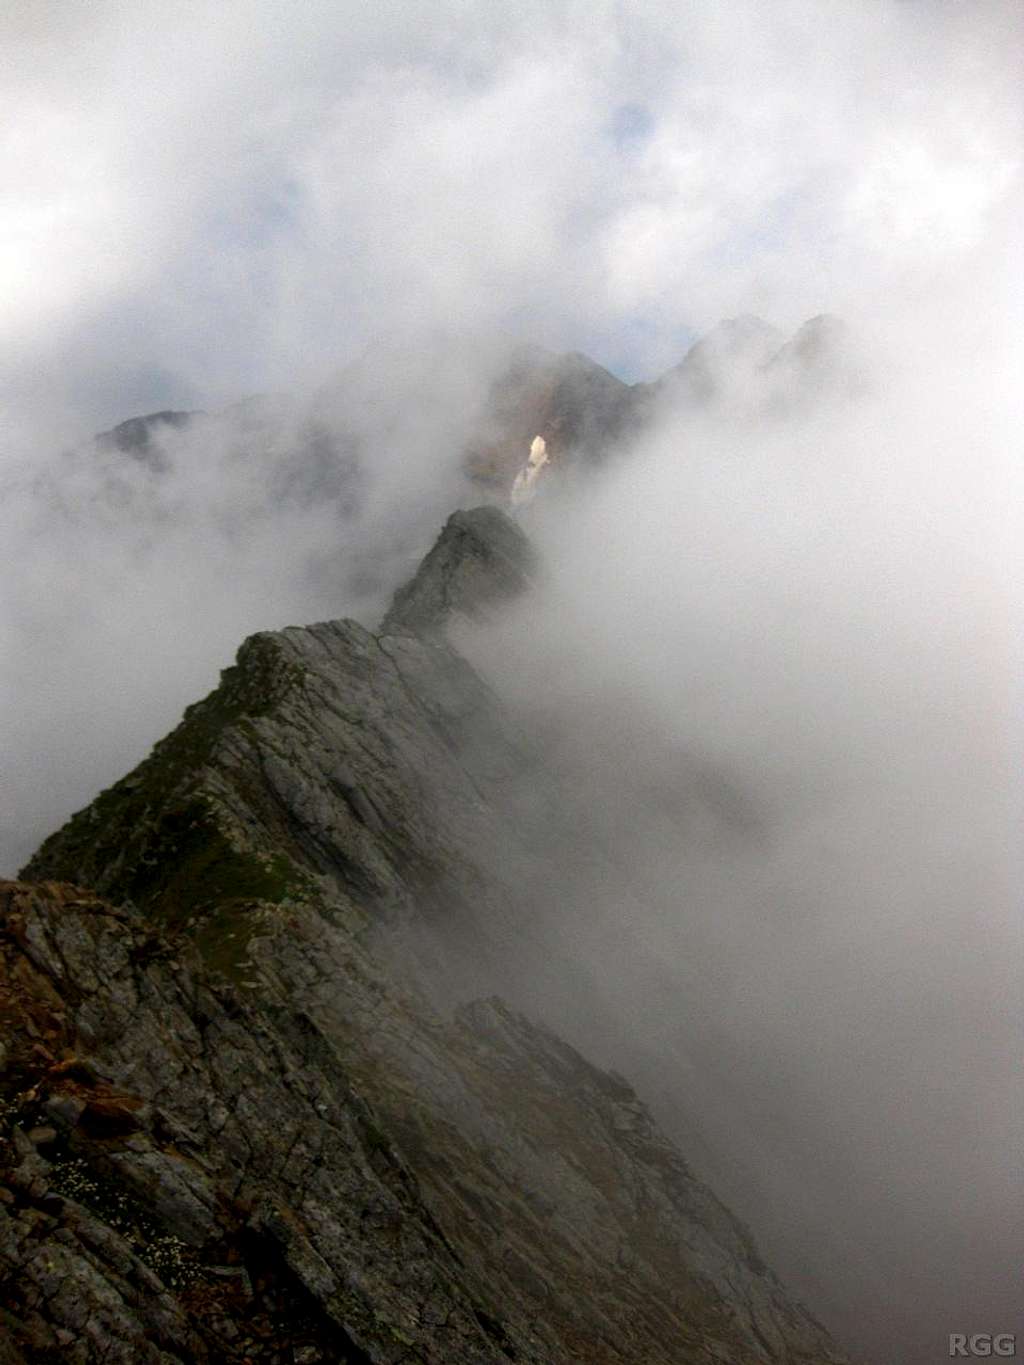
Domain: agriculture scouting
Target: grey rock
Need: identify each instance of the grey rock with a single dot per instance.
(480, 558)
(460, 1191)
(173, 1191)
(297, 1180)
(64, 1110)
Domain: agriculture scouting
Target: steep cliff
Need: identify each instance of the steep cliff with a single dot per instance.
(243, 1122)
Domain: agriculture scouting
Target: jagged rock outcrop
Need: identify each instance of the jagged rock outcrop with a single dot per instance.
(480, 559)
(255, 1053)
(190, 1174)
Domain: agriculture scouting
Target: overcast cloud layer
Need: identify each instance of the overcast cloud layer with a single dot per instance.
(204, 201)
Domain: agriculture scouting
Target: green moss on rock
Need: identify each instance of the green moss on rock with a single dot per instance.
(160, 839)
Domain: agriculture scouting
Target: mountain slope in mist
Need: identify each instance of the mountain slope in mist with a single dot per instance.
(469, 413)
(282, 507)
(255, 1059)
(745, 835)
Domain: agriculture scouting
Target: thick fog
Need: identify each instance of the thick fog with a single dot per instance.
(133, 575)
(776, 646)
(774, 657)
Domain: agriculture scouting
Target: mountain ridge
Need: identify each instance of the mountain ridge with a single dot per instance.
(312, 849)
(580, 408)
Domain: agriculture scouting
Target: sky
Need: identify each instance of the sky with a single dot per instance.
(204, 202)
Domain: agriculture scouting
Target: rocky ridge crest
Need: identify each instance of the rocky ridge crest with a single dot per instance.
(238, 1127)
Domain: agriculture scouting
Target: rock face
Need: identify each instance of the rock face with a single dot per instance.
(481, 558)
(579, 409)
(212, 1186)
(243, 1122)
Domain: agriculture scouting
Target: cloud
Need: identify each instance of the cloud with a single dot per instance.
(218, 196)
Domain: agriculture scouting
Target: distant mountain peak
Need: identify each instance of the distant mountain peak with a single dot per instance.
(732, 352)
(132, 432)
(138, 435)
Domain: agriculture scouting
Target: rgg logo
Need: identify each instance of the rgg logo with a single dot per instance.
(982, 1344)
